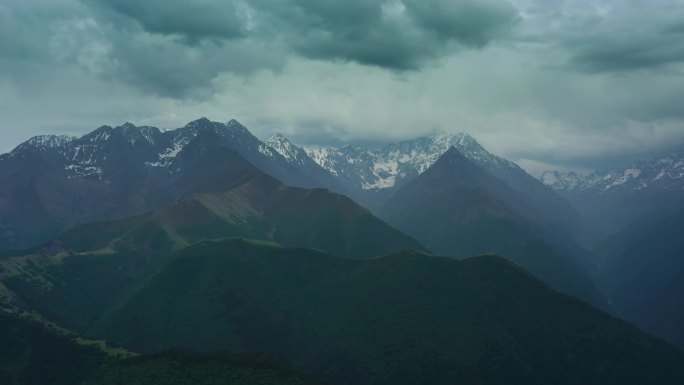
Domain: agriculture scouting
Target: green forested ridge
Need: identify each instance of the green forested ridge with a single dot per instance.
(404, 318)
(34, 354)
(31, 353)
(179, 367)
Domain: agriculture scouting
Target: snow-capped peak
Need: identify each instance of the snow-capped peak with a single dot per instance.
(48, 141)
(286, 149)
(198, 123)
(277, 138)
(384, 167)
(102, 134)
(135, 135)
(236, 126)
(664, 172)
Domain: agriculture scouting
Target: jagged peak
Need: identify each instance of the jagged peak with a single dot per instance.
(461, 139)
(128, 126)
(51, 140)
(280, 143)
(235, 126)
(46, 142)
(452, 160)
(234, 123)
(201, 123)
(128, 131)
(457, 167)
(277, 137)
(100, 134)
(452, 153)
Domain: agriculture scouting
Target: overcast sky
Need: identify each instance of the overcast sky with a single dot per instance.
(546, 83)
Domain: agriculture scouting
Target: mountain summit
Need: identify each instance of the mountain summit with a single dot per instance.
(51, 183)
(394, 164)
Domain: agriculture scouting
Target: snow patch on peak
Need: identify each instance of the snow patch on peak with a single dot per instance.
(384, 167)
(664, 173)
(60, 143)
(201, 122)
(277, 137)
(49, 141)
(136, 135)
(283, 146)
(234, 125)
(267, 150)
(167, 156)
(100, 135)
(326, 157)
(627, 175)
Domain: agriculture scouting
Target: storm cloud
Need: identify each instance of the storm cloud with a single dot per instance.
(647, 36)
(566, 83)
(392, 34)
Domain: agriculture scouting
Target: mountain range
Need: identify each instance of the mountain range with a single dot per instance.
(546, 226)
(50, 184)
(635, 217)
(207, 239)
(55, 183)
(609, 200)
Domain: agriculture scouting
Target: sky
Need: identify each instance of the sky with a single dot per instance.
(550, 84)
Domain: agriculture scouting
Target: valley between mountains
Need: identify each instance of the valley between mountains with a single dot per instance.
(131, 251)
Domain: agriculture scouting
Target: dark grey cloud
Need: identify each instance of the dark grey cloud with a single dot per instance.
(387, 33)
(170, 68)
(178, 48)
(637, 36)
(157, 53)
(626, 50)
(192, 20)
(472, 23)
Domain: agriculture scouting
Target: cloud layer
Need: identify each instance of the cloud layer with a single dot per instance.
(568, 83)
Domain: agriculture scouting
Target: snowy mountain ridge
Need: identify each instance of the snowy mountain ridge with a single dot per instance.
(98, 154)
(348, 167)
(665, 172)
(287, 149)
(387, 166)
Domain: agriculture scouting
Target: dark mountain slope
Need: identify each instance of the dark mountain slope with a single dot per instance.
(255, 206)
(456, 208)
(32, 354)
(178, 367)
(644, 275)
(74, 278)
(406, 318)
(238, 138)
